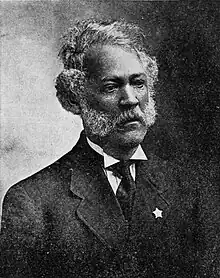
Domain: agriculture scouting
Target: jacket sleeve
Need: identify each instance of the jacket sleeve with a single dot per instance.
(21, 229)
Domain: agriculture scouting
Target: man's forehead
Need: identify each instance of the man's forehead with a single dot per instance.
(118, 77)
(113, 62)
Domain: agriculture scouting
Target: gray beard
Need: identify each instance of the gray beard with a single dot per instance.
(101, 124)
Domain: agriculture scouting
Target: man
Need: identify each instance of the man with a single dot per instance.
(107, 209)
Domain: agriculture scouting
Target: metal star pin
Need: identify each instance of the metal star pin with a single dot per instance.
(158, 213)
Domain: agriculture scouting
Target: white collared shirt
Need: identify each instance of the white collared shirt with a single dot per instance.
(109, 160)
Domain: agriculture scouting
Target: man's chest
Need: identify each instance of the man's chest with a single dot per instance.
(156, 220)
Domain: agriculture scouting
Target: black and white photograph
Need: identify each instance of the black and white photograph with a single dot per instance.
(110, 131)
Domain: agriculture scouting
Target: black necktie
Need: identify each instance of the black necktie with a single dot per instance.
(126, 190)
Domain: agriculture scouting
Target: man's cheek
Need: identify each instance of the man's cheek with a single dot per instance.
(145, 103)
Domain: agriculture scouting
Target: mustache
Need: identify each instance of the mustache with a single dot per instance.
(129, 115)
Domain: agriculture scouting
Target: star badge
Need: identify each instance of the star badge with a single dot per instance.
(158, 213)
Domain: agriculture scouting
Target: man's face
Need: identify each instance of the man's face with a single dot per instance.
(116, 107)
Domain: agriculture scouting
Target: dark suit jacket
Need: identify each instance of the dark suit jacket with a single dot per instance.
(65, 221)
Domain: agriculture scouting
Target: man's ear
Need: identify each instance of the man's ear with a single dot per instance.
(74, 104)
(69, 86)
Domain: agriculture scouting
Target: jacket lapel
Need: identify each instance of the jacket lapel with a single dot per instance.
(99, 209)
(152, 202)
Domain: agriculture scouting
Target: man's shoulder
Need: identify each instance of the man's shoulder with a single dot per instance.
(50, 178)
(169, 168)
(176, 175)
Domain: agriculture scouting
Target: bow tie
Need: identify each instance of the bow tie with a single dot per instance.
(119, 169)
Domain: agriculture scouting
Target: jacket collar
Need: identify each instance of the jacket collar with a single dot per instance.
(99, 208)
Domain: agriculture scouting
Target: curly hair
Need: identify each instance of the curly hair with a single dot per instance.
(91, 32)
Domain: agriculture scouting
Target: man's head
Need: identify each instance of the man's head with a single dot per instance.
(108, 80)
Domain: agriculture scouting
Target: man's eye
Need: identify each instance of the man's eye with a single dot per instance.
(110, 88)
(139, 83)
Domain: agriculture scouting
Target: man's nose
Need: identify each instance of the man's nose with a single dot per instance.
(128, 96)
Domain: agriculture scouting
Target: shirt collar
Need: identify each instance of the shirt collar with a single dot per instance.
(109, 160)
